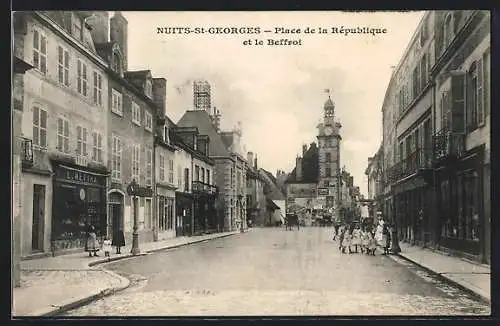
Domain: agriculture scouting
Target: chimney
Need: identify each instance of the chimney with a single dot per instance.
(119, 34)
(250, 158)
(298, 168)
(304, 149)
(255, 162)
(160, 95)
(99, 23)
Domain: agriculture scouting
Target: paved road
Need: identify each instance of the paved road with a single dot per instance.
(277, 272)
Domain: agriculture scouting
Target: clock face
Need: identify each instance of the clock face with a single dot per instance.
(328, 131)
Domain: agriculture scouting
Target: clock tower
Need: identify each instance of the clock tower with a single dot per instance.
(329, 159)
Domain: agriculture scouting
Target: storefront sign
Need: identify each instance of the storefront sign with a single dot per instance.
(322, 191)
(79, 177)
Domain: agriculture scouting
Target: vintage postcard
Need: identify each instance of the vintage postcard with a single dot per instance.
(253, 163)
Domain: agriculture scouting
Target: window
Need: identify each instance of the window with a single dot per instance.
(40, 51)
(328, 171)
(162, 167)
(166, 136)
(81, 78)
(77, 28)
(171, 171)
(116, 159)
(202, 175)
(149, 166)
(97, 90)
(39, 127)
(448, 30)
(208, 176)
(148, 121)
(473, 92)
(149, 89)
(117, 63)
(196, 173)
(63, 65)
(81, 141)
(62, 135)
(423, 71)
(179, 177)
(186, 179)
(96, 147)
(136, 155)
(328, 157)
(416, 81)
(116, 102)
(136, 114)
(165, 213)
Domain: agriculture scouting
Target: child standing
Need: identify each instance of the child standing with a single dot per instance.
(372, 245)
(106, 246)
(365, 239)
(346, 241)
(386, 240)
(356, 239)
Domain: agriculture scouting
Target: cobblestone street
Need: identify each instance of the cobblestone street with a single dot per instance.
(277, 272)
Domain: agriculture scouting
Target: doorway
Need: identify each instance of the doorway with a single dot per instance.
(37, 227)
(116, 212)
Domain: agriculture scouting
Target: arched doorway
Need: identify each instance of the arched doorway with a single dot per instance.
(116, 208)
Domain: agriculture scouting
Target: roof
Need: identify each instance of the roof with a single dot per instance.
(310, 168)
(329, 103)
(201, 120)
(275, 192)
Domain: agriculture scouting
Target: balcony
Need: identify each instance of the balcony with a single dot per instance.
(26, 153)
(421, 159)
(448, 145)
(204, 188)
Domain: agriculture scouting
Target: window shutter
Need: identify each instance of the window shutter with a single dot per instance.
(486, 82)
(457, 105)
(468, 100)
(480, 90)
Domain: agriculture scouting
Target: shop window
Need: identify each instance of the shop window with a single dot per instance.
(471, 194)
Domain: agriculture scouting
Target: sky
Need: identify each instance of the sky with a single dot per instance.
(278, 92)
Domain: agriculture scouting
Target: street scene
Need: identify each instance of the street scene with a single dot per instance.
(283, 172)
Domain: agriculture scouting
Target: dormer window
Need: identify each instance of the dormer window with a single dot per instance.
(448, 30)
(77, 27)
(149, 89)
(117, 63)
(166, 137)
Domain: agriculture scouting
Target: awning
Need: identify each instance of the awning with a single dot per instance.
(409, 184)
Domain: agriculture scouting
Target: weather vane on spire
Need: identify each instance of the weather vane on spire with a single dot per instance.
(327, 90)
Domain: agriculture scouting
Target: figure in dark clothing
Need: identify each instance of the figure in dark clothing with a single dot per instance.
(118, 240)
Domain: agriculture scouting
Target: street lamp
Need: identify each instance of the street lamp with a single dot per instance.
(132, 191)
(240, 197)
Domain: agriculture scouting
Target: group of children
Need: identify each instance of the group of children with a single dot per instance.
(92, 245)
(353, 238)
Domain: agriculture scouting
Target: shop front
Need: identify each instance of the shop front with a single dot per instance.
(79, 200)
(166, 212)
(461, 205)
(184, 214)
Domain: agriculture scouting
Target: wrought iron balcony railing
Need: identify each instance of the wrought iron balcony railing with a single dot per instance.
(27, 152)
(418, 160)
(201, 187)
(448, 144)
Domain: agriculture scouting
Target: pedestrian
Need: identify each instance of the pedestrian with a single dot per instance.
(91, 244)
(106, 246)
(336, 226)
(365, 241)
(341, 238)
(356, 238)
(346, 241)
(372, 245)
(386, 239)
(118, 240)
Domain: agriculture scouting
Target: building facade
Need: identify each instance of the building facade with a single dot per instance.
(65, 120)
(374, 174)
(436, 135)
(462, 75)
(256, 200)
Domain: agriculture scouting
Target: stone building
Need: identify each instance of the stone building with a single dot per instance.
(131, 126)
(256, 200)
(230, 167)
(436, 135)
(374, 173)
(65, 120)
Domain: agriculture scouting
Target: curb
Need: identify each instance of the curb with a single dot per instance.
(124, 282)
(476, 294)
(52, 312)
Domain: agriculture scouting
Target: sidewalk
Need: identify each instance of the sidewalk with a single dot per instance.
(55, 284)
(474, 277)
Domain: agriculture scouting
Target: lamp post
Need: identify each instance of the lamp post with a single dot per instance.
(241, 213)
(132, 191)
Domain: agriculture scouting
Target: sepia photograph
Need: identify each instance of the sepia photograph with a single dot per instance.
(250, 163)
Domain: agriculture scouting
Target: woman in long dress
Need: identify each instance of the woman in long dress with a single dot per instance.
(92, 246)
(378, 233)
